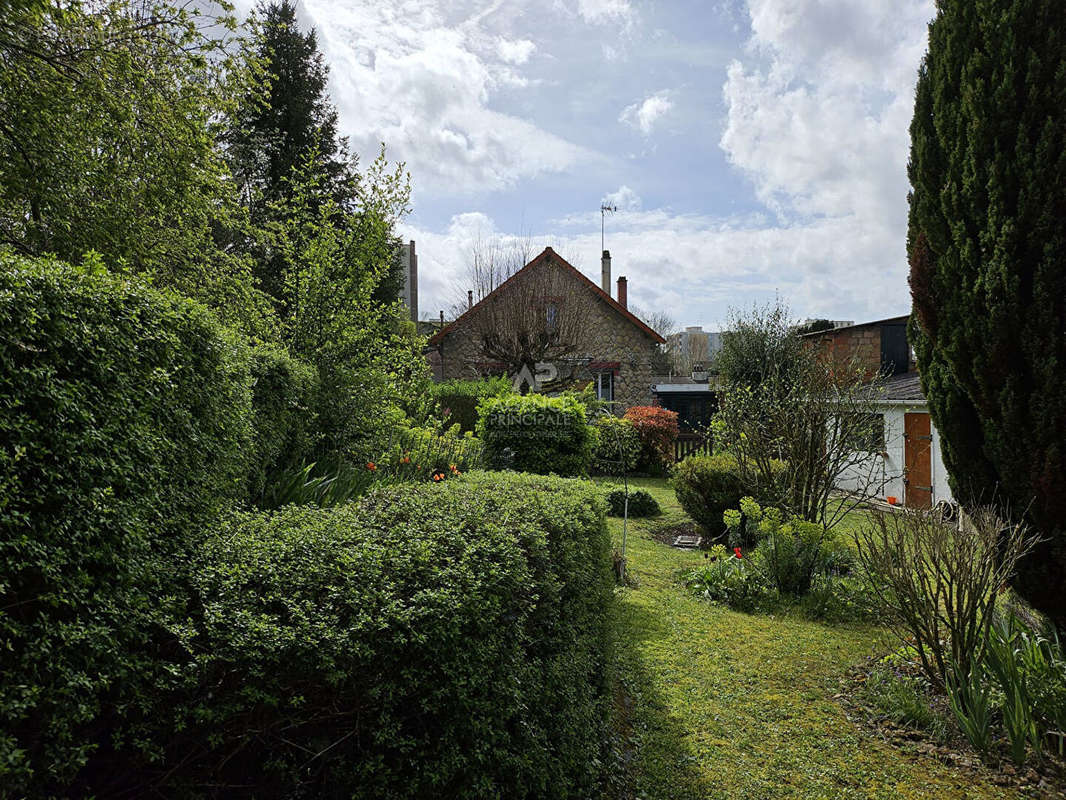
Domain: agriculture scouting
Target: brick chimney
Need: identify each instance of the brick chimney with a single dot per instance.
(469, 299)
(623, 292)
(605, 272)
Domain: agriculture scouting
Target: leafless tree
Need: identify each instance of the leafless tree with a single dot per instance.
(663, 324)
(940, 582)
(784, 401)
(541, 315)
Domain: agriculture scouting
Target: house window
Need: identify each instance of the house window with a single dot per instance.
(552, 316)
(605, 386)
(867, 433)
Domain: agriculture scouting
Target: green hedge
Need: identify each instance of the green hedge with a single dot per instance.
(125, 415)
(461, 398)
(618, 445)
(433, 640)
(283, 398)
(534, 433)
(708, 486)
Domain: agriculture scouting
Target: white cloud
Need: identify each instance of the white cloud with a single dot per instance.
(601, 11)
(515, 51)
(645, 114)
(421, 78)
(625, 199)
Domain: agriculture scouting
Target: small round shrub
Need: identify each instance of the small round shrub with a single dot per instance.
(641, 504)
(617, 445)
(708, 486)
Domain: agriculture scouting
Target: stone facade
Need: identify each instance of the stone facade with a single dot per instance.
(613, 342)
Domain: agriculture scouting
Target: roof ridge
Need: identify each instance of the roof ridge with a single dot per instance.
(545, 255)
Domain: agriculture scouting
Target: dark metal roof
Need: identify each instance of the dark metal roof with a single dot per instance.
(831, 331)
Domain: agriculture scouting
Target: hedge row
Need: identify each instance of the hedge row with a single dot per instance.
(436, 640)
(708, 486)
(535, 433)
(460, 398)
(126, 417)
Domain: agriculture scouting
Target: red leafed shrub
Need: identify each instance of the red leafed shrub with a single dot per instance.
(657, 428)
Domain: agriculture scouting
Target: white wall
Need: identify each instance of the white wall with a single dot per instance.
(883, 474)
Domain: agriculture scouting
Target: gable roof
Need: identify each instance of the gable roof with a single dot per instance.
(550, 255)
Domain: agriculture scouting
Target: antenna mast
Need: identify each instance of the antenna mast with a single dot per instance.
(604, 211)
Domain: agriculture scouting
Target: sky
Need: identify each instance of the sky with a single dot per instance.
(755, 149)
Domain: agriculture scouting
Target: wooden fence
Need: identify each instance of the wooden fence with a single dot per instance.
(688, 444)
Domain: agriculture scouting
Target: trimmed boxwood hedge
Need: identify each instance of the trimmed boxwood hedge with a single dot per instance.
(536, 433)
(433, 640)
(125, 415)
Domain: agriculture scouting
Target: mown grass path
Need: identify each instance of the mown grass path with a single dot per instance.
(718, 704)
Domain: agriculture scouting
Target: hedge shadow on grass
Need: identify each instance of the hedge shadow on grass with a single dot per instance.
(649, 747)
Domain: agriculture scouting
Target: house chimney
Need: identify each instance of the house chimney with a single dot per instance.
(623, 286)
(605, 272)
(469, 299)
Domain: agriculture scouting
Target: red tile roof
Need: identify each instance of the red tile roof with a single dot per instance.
(546, 255)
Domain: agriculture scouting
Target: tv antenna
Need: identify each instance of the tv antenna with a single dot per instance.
(604, 211)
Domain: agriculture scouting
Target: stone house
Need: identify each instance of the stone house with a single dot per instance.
(616, 351)
(904, 455)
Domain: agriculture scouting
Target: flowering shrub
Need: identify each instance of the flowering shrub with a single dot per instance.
(657, 429)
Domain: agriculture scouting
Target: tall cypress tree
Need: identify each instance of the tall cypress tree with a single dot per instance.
(286, 132)
(289, 118)
(987, 249)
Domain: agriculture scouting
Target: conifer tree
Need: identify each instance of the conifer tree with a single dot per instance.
(987, 250)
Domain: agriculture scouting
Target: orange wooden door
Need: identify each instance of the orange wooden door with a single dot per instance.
(918, 461)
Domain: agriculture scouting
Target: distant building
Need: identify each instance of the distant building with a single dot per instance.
(693, 346)
(409, 295)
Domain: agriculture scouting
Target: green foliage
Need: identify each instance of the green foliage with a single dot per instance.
(433, 636)
(126, 415)
(283, 394)
(708, 486)
(641, 504)
(1005, 658)
(459, 399)
(970, 700)
(727, 580)
(618, 445)
(792, 551)
(534, 433)
(109, 144)
(986, 245)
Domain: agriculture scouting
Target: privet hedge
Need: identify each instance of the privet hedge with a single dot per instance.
(535, 433)
(460, 398)
(125, 415)
(433, 640)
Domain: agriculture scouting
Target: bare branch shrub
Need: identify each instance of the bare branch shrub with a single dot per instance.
(940, 582)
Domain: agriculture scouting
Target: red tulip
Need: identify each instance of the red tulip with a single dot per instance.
(737, 553)
(371, 466)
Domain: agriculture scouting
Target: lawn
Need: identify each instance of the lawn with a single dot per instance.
(718, 704)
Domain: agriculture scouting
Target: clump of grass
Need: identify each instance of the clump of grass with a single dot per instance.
(905, 700)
